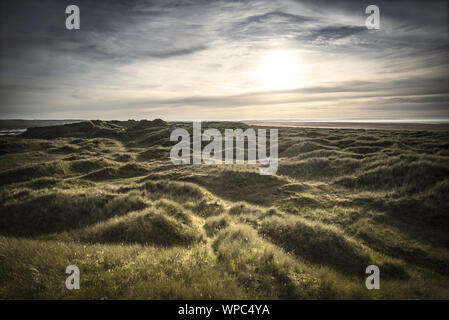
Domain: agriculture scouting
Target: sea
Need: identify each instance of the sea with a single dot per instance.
(11, 132)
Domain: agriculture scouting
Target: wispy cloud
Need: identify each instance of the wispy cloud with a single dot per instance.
(184, 59)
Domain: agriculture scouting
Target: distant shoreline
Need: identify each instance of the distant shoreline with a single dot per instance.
(11, 132)
(20, 124)
(355, 125)
(15, 127)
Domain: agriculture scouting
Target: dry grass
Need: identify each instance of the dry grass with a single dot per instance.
(105, 196)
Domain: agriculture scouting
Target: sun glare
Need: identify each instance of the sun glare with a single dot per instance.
(279, 70)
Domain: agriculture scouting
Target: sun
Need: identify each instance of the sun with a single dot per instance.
(279, 70)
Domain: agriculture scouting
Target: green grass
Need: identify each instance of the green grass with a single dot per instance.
(105, 197)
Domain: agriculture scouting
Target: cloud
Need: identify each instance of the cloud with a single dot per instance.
(275, 16)
(331, 33)
(169, 55)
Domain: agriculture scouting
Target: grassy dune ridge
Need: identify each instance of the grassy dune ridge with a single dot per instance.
(106, 197)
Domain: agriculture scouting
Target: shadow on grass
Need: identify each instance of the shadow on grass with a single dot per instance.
(58, 211)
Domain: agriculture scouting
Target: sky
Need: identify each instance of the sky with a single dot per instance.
(224, 60)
